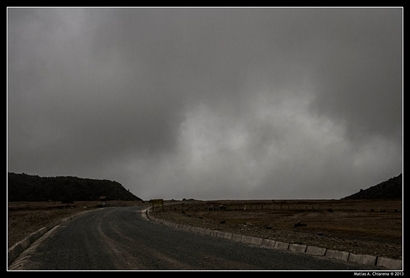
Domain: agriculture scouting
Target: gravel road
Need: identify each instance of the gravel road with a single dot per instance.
(120, 239)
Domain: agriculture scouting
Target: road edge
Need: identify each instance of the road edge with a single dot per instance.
(362, 259)
(18, 248)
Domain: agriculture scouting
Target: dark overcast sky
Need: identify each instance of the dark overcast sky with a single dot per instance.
(208, 103)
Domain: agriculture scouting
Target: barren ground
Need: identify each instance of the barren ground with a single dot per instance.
(27, 217)
(358, 226)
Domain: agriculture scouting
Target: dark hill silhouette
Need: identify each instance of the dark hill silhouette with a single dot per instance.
(22, 187)
(390, 189)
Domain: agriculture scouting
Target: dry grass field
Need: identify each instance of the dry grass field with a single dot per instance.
(358, 226)
(27, 217)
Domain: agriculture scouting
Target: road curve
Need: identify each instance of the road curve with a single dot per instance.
(120, 239)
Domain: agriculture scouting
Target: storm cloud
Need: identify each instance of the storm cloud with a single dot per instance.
(208, 103)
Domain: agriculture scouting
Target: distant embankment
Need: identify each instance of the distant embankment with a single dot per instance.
(22, 187)
(390, 189)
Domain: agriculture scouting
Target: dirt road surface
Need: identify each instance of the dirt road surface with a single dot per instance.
(120, 239)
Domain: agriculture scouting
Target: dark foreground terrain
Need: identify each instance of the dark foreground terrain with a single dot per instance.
(119, 238)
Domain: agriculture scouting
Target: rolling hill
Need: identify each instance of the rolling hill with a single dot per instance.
(390, 189)
(22, 187)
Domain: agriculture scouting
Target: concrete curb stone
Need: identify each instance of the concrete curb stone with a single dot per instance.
(227, 236)
(299, 248)
(220, 234)
(281, 245)
(338, 255)
(15, 251)
(255, 240)
(237, 237)
(362, 259)
(25, 243)
(247, 239)
(315, 251)
(389, 263)
(268, 243)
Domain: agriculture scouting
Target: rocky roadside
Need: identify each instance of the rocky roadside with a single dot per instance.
(362, 245)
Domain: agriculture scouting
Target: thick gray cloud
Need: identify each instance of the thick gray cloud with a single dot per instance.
(208, 103)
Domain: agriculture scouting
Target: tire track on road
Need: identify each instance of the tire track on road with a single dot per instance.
(133, 247)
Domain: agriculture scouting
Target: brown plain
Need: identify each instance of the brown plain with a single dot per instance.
(359, 226)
